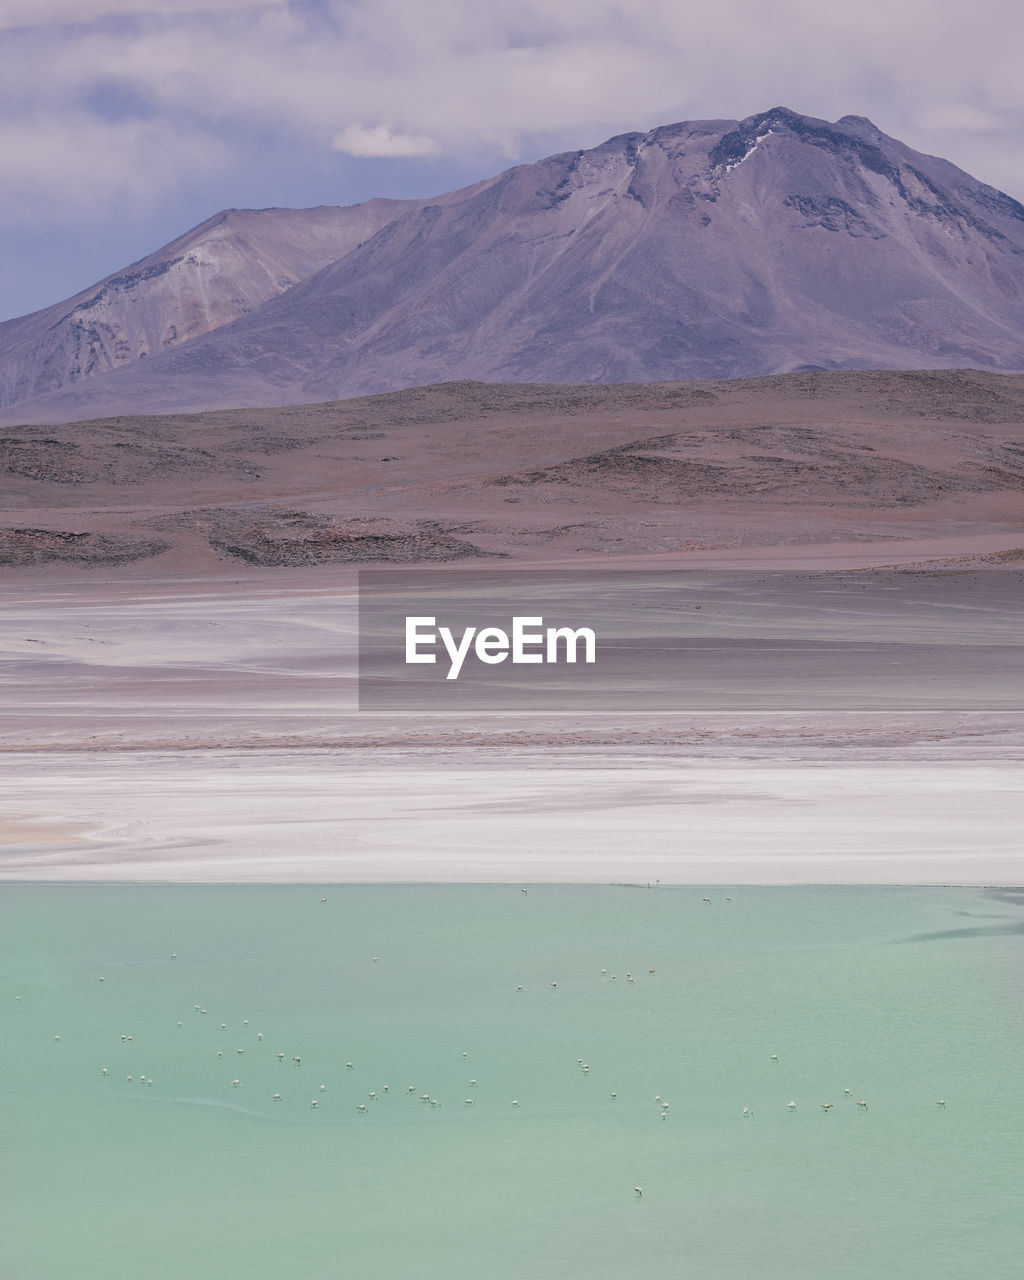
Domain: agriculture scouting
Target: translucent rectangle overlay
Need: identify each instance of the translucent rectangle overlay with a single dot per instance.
(878, 640)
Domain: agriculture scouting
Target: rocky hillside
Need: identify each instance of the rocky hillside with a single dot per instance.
(707, 249)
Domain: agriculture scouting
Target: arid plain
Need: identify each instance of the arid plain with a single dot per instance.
(179, 634)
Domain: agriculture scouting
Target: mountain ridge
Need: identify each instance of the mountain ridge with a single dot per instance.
(701, 249)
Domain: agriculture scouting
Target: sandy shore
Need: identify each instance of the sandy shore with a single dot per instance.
(599, 816)
(168, 732)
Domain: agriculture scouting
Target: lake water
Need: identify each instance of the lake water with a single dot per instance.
(514, 1080)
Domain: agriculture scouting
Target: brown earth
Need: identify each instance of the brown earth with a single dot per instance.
(177, 611)
(539, 474)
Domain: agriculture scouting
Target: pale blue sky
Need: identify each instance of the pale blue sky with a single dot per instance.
(124, 122)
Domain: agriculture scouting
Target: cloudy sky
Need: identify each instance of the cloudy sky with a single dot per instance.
(124, 122)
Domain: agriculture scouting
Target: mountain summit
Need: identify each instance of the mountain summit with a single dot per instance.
(706, 249)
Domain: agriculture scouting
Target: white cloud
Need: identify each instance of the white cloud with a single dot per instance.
(959, 116)
(59, 172)
(479, 78)
(40, 13)
(378, 140)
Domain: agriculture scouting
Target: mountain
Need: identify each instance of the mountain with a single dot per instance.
(213, 274)
(707, 249)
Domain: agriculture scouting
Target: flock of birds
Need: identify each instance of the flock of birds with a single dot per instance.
(259, 1053)
(372, 1096)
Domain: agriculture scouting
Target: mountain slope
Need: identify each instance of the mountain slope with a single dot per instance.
(709, 249)
(211, 275)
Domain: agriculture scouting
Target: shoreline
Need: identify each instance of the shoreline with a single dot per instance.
(608, 816)
(995, 886)
(179, 736)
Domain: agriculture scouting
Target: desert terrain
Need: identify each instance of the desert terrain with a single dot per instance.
(179, 621)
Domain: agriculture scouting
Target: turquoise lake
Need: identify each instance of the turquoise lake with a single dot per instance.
(521, 1062)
